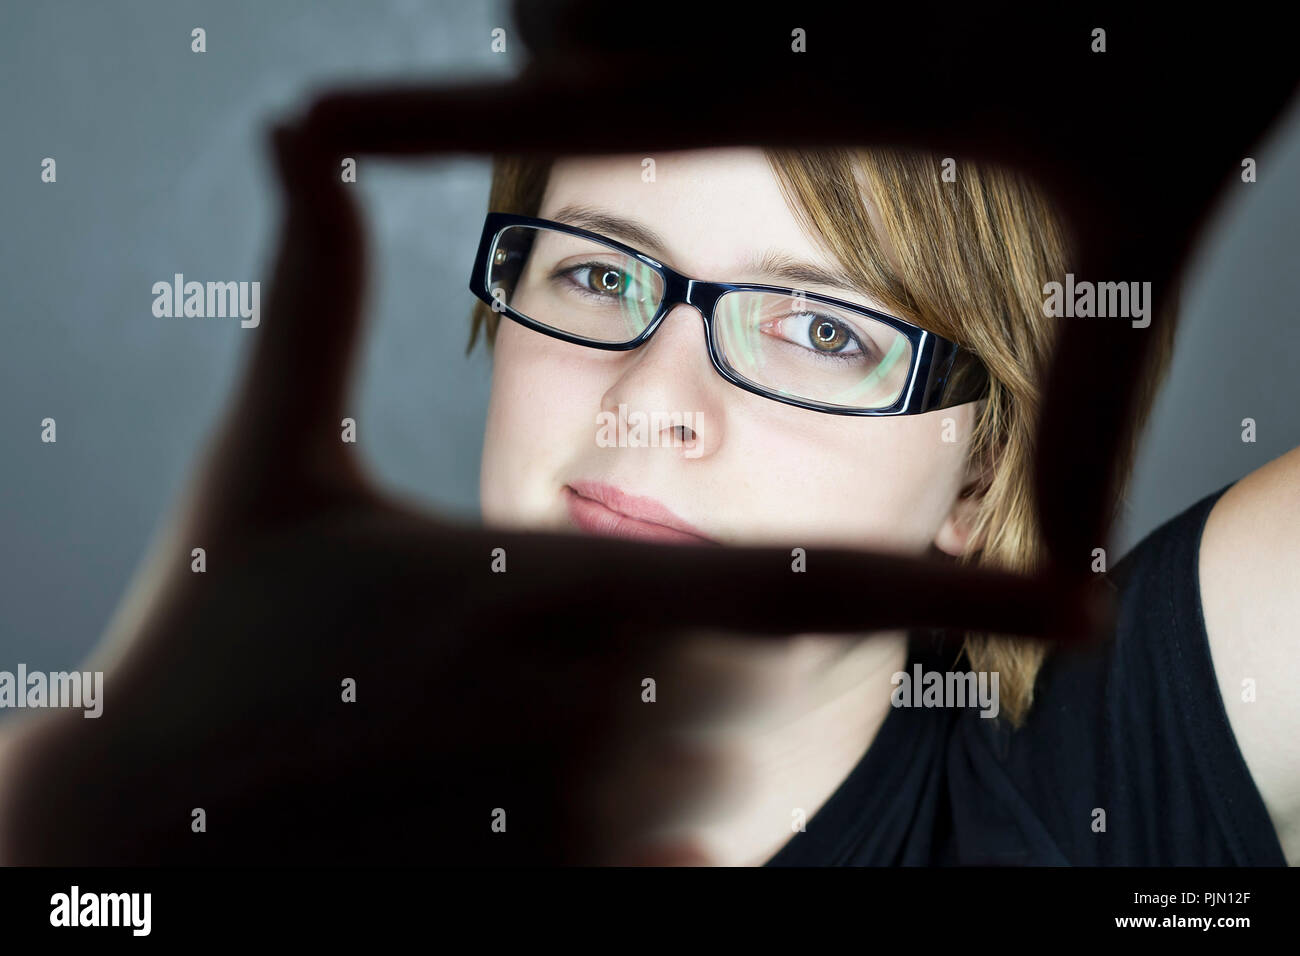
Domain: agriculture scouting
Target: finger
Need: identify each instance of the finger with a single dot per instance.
(406, 120)
(633, 589)
(294, 396)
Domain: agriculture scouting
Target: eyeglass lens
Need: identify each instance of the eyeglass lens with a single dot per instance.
(780, 342)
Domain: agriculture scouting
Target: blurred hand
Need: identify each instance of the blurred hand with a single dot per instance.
(480, 697)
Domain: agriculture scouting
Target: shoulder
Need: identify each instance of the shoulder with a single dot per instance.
(1128, 748)
(1249, 577)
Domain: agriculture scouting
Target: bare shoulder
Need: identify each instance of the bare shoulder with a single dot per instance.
(1250, 592)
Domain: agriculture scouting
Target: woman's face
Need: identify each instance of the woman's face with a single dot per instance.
(748, 470)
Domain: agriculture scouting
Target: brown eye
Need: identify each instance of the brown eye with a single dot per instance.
(605, 280)
(827, 336)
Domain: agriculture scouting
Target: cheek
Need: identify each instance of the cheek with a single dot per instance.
(542, 397)
(886, 484)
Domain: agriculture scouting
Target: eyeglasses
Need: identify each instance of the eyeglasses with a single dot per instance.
(788, 345)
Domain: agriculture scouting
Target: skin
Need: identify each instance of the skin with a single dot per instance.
(894, 482)
(885, 484)
(1250, 596)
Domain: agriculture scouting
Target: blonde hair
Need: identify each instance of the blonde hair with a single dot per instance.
(970, 258)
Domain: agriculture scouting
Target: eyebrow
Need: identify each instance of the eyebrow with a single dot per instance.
(773, 264)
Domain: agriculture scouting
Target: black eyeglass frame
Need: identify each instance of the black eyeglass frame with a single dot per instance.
(934, 359)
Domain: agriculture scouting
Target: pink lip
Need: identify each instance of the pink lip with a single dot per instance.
(605, 510)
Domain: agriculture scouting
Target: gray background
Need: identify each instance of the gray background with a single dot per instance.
(162, 169)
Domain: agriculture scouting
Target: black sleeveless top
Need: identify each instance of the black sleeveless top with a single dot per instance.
(1126, 758)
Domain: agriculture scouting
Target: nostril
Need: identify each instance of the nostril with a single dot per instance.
(685, 433)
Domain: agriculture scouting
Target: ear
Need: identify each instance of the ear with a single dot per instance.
(954, 536)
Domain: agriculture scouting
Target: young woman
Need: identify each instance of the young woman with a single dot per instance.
(869, 378)
(867, 375)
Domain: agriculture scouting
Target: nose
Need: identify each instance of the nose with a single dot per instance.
(671, 385)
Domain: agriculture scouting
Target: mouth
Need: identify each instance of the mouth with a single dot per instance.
(602, 509)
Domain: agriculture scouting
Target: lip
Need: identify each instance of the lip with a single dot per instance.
(597, 508)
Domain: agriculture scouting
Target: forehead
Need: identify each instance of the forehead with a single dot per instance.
(712, 207)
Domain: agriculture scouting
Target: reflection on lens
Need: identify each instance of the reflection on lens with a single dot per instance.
(810, 350)
(574, 285)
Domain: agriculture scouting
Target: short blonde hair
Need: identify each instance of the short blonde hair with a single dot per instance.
(970, 259)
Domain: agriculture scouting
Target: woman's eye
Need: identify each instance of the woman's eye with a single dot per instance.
(819, 333)
(601, 279)
(828, 336)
